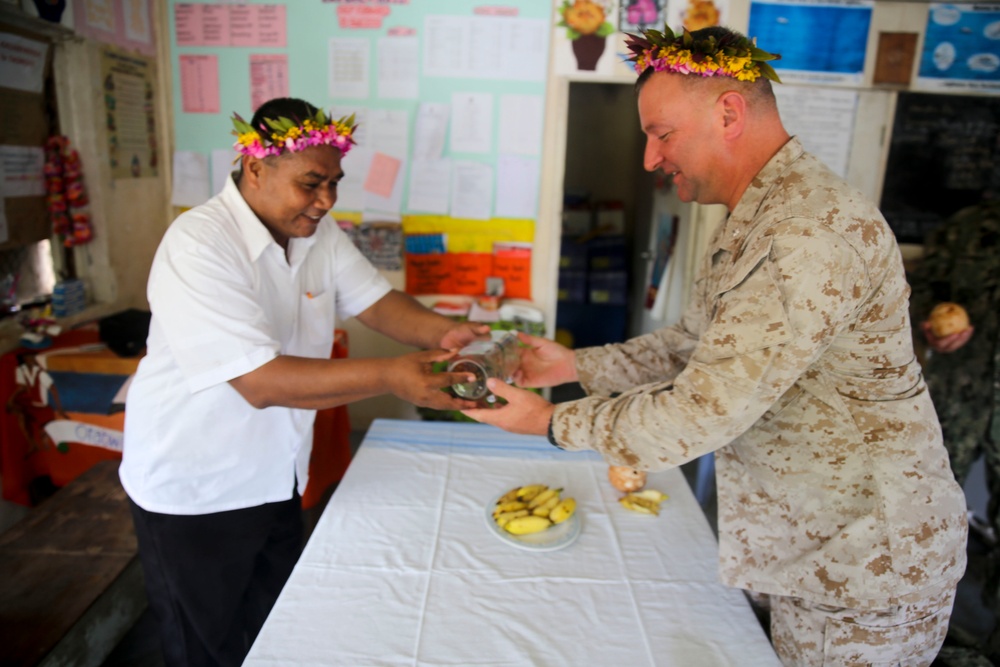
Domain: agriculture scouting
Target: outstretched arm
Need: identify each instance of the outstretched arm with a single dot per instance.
(404, 319)
(301, 382)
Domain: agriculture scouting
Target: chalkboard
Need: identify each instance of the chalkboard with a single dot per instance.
(944, 156)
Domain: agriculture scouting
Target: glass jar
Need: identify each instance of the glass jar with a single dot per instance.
(485, 359)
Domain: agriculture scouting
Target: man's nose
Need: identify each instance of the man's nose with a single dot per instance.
(651, 159)
(327, 197)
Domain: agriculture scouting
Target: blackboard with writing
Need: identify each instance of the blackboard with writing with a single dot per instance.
(944, 156)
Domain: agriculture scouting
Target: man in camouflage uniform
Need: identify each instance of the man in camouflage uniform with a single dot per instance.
(961, 264)
(794, 364)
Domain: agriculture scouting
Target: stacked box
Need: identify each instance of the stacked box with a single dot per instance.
(572, 286)
(577, 222)
(68, 298)
(608, 288)
(607, 253)
(572, 254)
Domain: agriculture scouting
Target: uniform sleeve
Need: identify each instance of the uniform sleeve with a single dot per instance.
(654, 357)
(201, 292)
(777, 309)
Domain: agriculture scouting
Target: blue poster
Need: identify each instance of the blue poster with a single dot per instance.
(819, 42)
(961, 49)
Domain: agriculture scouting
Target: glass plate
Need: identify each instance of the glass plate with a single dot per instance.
(557, 537)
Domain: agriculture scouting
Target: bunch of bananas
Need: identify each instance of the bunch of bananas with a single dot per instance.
(532, 509)
(647, 501)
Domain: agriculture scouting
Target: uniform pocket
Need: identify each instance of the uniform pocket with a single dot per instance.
(749, 310)
(914, 642)
(316, 323)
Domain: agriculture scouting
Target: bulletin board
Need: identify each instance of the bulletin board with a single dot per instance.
(449, 95)
(943, 156)
(25, 73)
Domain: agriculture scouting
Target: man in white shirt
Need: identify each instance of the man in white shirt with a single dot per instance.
(245, 293)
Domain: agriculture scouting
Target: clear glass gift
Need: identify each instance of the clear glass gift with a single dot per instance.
(485, 359)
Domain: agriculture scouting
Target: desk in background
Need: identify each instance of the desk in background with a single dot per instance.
(85, 382)
(403, 570)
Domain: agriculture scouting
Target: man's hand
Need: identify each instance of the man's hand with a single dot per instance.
(464, 333)
(544, 363)
(412, 378)
(947, 343)
(526, 412)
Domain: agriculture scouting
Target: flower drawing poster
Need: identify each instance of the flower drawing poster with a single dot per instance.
(586, 38)
(820, 41)
(961, 49)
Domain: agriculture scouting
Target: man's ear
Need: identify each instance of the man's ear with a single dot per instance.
(253, 167)
(733, 108)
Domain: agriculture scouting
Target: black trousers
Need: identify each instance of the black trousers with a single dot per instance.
(211, 579)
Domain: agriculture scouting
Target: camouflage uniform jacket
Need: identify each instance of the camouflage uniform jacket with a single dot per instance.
(794, 363)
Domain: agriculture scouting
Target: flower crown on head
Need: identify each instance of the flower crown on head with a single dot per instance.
(731, 55)
(288, 135)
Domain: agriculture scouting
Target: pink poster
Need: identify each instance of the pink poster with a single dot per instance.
(124, 23)
(199, 84)
(243, 25)
(204, 24)
(188, 24)
(268, 78)
(215, 21)
(272, 25)
(382, 175)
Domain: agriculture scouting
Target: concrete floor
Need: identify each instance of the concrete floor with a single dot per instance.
(970, 621)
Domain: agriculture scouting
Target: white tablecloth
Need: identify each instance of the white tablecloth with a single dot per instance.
(403, 570)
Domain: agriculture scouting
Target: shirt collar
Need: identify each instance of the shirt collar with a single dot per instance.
(741, 220)
(255, 234)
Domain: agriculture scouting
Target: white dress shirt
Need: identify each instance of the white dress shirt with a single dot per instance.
(225, 301)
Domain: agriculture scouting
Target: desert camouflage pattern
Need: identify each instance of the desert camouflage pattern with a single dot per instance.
(794, 363)
(816, 635)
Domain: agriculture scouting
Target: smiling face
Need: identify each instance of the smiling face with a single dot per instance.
(682, 126)
(292, 192)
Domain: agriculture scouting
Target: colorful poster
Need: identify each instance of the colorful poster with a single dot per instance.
(634, 16)
(697, 14)
(820, 41)
(128, 82)
(961, 49)
(199, 84)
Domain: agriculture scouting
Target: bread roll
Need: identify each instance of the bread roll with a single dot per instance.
(948, 318)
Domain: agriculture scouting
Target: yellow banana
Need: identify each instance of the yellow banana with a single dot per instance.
(562, 511)
(641, 505)
(651, 494)
(524, 525)
(546, 507)
(505, 518)
(543, 498)
(511, 506)
(508, 497)
(529, 492)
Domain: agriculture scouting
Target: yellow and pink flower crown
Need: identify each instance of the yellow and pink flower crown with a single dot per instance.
(731, 55)
(288, 135)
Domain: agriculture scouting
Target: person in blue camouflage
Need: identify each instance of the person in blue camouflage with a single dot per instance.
(961, 264)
